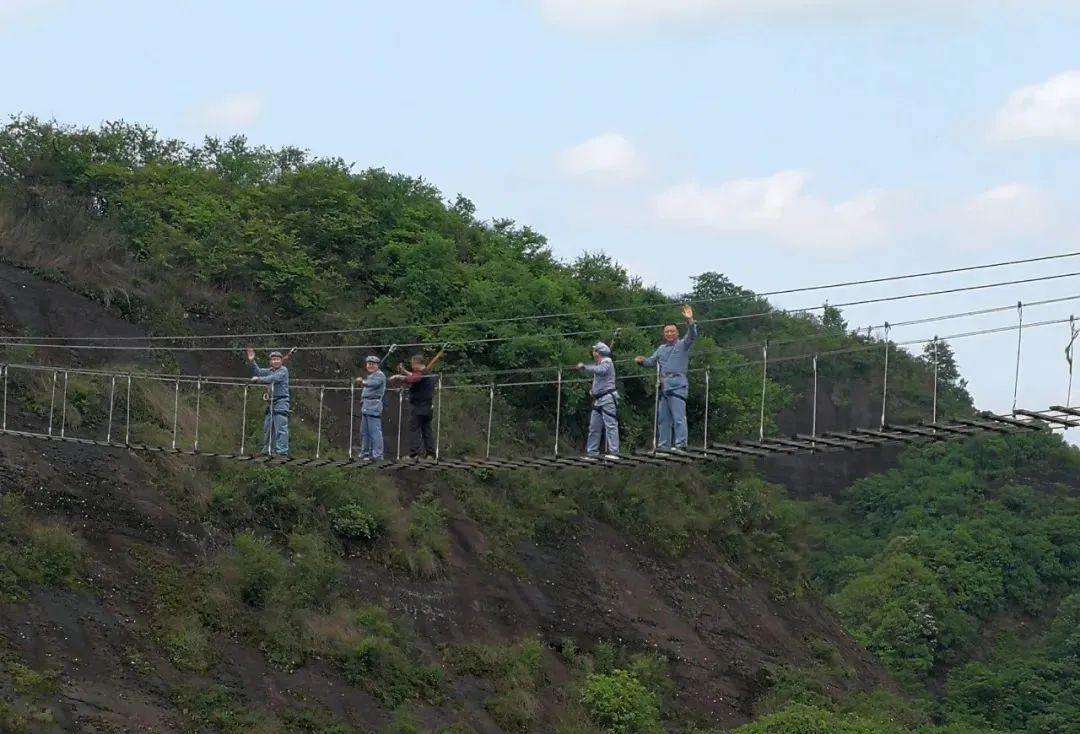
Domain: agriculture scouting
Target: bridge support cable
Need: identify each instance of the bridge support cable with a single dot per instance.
(4, 418)
(112, 402)
(63, 407)
(491, 413)
(1074, 332)
(400, 412)
(318, 430)
(1019, 343)
(885, 379)
(558, 412)
(656, 411)
(52, 402)
(198, 412)
(352, 414)
(933, 408)
(127, 411)
(813, 401)
(176, 411)
(764, 382)
(438, 420)
(705, 434)
(243, 421)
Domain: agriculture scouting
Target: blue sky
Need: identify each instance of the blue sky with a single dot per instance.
(781, 146)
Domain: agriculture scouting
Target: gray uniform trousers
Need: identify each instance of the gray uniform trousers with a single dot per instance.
(605, 420)
(673, 429)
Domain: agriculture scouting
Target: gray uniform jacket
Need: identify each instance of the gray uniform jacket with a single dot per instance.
(371, 399)
(279, 381)
(603, 380)
(674, 359)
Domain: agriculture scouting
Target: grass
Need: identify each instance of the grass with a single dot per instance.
(517, 673)
(25, 706)
(34, 553)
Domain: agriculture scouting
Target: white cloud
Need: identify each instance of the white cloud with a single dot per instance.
(1046, 111)
(609, 15)
(230, 113)
(610, 157)
(1004, 213)
(779, 208)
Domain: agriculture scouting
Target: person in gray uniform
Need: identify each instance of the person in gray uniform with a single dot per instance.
(604, 417)
(673, 360)
(371, 407)
(276, 423)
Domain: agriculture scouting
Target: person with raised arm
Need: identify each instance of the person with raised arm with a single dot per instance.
(421, 385)
(604, 416)
(371, 407)
(672, 360)
(278, 408)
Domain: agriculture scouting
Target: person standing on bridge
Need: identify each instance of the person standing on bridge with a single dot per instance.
(371, 407)
(604, 416)
(421, 385)
(672, 358)
(276, 423)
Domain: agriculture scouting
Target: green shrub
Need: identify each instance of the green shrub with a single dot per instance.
(188, 644)
(55, 553)
(426, 541)
(382, 668)
(356, 522)
(618, 703)
(257, 567)
(804, 719)
(514, 711)
(314, 572)
(509, 666)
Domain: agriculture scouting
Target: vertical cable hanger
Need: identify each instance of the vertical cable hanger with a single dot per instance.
(1019, 343)
(885, 378)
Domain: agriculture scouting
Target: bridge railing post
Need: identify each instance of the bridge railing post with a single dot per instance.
(400, 414)
(127, 413)
(813, 403)
(112, 402)
(558, 409)
(243, 421)
(52, 402)
(4, 424)
(491, 412)
(176, 411)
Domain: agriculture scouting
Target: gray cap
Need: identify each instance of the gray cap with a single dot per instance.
(275, 353)
(372, 359)
(602, 349)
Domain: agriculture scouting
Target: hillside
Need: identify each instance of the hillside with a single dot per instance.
(932, 591)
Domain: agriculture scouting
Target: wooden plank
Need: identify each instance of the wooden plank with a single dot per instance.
(887, 436)
(849, 444)
(1067, 422)
(1012, 421)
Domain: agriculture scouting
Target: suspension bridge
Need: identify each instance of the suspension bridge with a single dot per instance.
(125, 399)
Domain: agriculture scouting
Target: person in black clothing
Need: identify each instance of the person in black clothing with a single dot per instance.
(421, 386)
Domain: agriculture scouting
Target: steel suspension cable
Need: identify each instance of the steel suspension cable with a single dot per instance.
(568, 314)
(7, 341)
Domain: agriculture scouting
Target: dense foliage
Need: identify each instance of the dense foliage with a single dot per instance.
(922, 561)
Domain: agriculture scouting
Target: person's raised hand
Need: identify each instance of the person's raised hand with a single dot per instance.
(687, 312)
(639, 360)
(579, 366)
(250, 354)
(255, 379)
